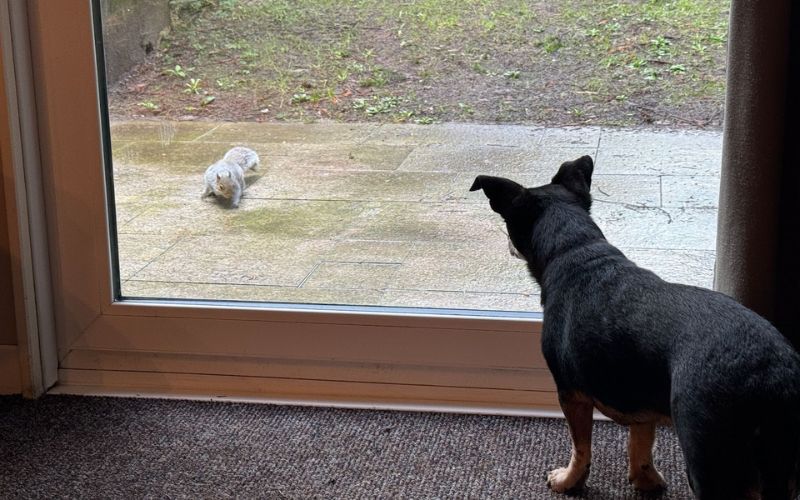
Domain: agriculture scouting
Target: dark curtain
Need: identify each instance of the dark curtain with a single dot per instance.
(787, 304)
(757, 239)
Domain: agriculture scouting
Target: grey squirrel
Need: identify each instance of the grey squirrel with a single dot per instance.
(225, 178)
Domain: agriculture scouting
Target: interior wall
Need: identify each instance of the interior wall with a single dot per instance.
(8, 331)
(10, 374)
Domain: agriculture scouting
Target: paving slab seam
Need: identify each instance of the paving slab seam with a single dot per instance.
(335, 200)
(207, 132)
(363, 262)
(288, 287)
(131, 220)
(597, 149)
(215, 283)
(662, 249)
(156, 257)
(462, 292)
(310, 274)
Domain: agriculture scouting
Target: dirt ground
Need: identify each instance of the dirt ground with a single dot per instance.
(573, 62)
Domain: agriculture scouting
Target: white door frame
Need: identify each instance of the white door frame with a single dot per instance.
(25, 205)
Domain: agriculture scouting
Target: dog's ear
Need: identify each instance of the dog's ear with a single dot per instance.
(501, 192)
(576, 176)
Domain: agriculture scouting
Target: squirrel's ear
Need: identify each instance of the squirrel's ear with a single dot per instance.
(218, 176)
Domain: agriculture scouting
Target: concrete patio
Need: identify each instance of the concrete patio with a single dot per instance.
(369, 214)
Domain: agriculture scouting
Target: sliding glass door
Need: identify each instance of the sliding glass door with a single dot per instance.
(345, 273)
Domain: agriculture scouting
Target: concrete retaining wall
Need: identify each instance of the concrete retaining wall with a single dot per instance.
(131, 30)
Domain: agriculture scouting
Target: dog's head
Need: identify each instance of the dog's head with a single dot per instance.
(522, 207)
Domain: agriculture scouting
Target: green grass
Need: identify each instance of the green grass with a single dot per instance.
(315, 58)
(656, 39)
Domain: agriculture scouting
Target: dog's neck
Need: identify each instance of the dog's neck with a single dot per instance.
(561, 230)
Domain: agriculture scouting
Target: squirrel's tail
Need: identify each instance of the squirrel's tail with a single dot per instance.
(244, 157)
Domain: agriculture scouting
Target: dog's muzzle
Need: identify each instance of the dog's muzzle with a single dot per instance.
(513, 250)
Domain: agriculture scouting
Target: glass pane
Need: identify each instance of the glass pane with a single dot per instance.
(370, 121)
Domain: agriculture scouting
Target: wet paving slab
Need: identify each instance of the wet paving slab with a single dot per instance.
(381, 215)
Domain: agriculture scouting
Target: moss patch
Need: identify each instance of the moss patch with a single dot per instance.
(310, 219)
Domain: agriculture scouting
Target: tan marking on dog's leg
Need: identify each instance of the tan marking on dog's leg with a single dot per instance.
(578, 411)
(643, 474)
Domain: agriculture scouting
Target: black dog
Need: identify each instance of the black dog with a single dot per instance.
(643, 351)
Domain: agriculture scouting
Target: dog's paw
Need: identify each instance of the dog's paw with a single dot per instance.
(566, 479)
(647, 478)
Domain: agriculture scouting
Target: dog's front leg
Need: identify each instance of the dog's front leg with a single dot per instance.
(578, 410)
(643, 475)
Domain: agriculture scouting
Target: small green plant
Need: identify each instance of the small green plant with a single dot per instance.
(378, 78)
(226, 83)
(425, 120)
(650, 74)
(177, 71)
(227, 5)
(300, 98)
(637, 63)
(193, 86)
(249, 55)
(699, 48)
(342, 75)
(357, 67)
(677, 69)
(512, 74)
(717, 38)
(551, 44)
(383, 105)
(150, 106)
(403, 116)
(359, 104)
(478, 68)
(610, 61)
(660, 46)
(206, 100)
(236, 45)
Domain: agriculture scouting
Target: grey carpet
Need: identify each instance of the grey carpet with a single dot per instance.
(82, 447)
